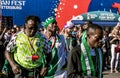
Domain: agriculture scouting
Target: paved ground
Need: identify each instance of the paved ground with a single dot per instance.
(107, 74)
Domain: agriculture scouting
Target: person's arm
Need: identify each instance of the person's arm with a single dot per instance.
(14, 66)
(47, 52)
(1, 36)
(45, 68)
(74, 65)
(112, 39)
(10, 49)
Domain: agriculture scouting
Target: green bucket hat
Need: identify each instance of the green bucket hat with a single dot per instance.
(48, 21)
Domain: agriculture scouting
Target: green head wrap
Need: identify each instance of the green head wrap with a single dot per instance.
(48, 21)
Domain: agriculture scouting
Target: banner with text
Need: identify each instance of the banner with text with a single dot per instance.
(98, 16)
(12, 4)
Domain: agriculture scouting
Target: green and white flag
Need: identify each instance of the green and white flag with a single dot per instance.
(86, 59)
(58, 59)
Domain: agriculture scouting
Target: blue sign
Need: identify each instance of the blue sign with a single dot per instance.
(19, 9)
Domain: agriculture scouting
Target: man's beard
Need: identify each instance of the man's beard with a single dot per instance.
(53, 32)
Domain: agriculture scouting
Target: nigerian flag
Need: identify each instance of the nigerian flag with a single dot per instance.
(58, 62)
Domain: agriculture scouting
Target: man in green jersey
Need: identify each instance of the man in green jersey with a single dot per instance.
(27, 51)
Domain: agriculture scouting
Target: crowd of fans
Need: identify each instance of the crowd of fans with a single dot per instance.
(56, 50)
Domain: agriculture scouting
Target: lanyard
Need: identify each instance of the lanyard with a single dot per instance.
(31, 43)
